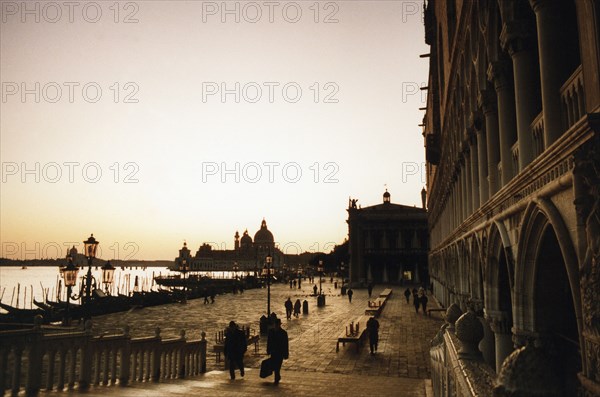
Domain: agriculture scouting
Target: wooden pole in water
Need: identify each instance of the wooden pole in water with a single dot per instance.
(12, 297)
(18, 293)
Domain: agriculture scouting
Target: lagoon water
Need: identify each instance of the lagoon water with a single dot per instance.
(44, 281)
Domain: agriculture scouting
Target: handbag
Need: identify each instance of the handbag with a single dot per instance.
(266, 368)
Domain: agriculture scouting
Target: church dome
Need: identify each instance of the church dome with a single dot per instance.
(246, 239)
(263, 235)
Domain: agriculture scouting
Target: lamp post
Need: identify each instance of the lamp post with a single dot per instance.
(299, 276)
(342, 268)
(320, 270)
(285, 268)
(184, 268)
(267, 273)
(69, 274)
(108, 275)
(235, 270)
(91, 245)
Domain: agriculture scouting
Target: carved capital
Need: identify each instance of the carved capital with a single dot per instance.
(517, 35)
(500, 321)
(500, 73)
(487, 100)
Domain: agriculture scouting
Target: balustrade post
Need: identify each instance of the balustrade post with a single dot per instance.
(181, 364)
(125, 358)
(156, 355)
(203, 352)
(85, 374)
(34, 373)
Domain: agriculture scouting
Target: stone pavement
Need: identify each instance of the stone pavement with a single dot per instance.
(400, 367)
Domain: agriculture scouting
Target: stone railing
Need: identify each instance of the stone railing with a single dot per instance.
(457, 367)
(572, 96)
(35, 358)
(537, 131)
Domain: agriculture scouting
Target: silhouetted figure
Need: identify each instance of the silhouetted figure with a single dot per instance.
(424, 301)
(416, 300)
(212, 298)
(234, 348)
(288, 308)
(277, 348)
(407, 295)
(373, 330)
(350, 293)
(315, 289)
(291, 283)
(370, 289)
(297, 306)
(205, 293)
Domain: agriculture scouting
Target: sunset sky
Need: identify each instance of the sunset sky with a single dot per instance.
(120, 120)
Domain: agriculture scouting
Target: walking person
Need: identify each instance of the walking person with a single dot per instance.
(416, 300)
(297, 306)
(350, 293)
(288, 308)
(370, 289)
(407, 295)
(235, 347)
(277, 348)
(424, 301)
(315, 289)
(373, 330)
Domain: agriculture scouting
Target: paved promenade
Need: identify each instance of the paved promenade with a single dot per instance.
(400, 367)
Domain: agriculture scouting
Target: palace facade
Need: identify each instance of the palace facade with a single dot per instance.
(513, 168)
(388, 243)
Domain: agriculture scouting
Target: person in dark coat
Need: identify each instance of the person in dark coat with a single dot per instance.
(416, 300)
(277, 348)
(288, 308)
(235, 347)
(407, 295)
(373, 330)
(370, 289)
(350, 293)
(315, 289)
(297, 306)
(424, 301)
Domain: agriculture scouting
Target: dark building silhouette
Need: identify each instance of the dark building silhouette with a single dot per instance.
(387, 243)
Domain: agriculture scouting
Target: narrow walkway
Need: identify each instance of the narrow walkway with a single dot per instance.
(400, 367)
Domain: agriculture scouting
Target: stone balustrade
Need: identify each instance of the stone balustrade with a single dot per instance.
(572, 97)
(37, 358)
(537, 131)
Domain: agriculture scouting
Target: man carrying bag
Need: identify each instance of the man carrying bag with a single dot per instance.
(277, 348)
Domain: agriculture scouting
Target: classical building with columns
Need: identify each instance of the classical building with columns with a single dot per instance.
(388, 243)
(513, 161)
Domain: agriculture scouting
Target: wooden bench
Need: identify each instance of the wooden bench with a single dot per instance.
(386, 293)
(356, 337)
(375, 307)
(435, 310)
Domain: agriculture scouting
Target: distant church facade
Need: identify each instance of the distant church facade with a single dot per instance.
(388, 243)
(248, 254)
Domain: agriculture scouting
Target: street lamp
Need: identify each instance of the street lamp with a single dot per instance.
(108, 275)
(184, 268)
(235, 270)
(342, 268)
(91, 245)
(69, 274)
(285, 268)
(320, 270)
(299, 276)
(267, 273)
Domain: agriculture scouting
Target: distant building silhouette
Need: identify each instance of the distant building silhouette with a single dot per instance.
(387, 243)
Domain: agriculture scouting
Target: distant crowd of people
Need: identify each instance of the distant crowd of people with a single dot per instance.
(419, 298)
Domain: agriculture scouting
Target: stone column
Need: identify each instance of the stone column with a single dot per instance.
(474, 148)
(501, 324)
(468, 182)
(500, 73)
(482, 166)
(550, 45)
(463, 188)
(517, 38)
(487, 100)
